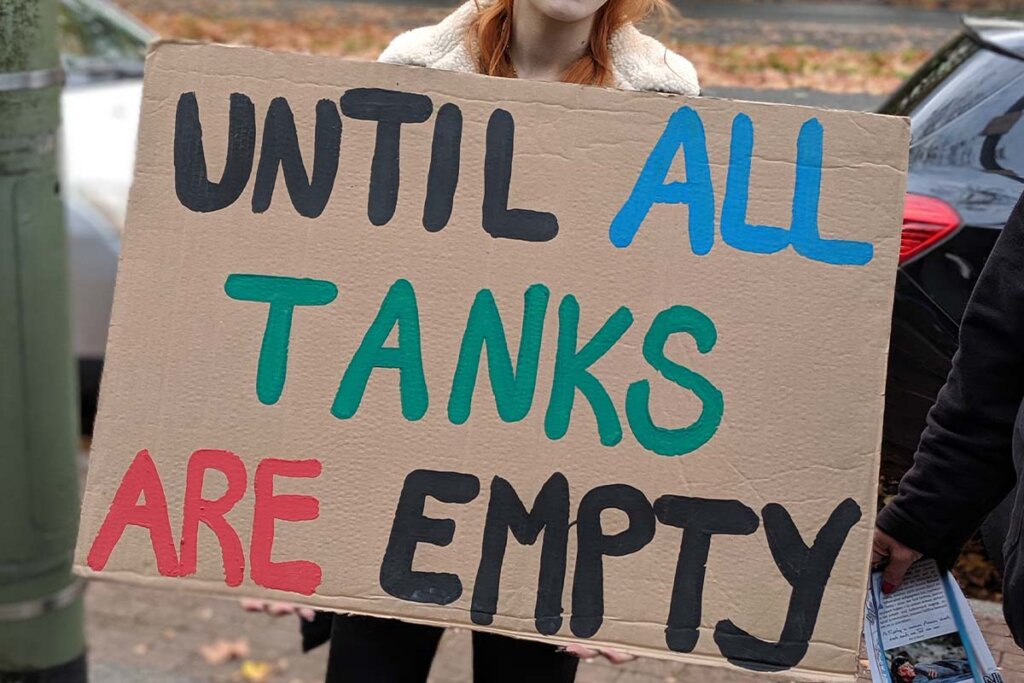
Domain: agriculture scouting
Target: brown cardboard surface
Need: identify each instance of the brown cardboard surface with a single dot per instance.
(797, 354)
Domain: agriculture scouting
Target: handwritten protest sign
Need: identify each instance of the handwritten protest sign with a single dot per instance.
(554, 361)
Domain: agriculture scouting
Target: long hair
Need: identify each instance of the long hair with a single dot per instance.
(492, 30)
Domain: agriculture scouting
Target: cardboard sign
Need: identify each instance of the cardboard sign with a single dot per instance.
(554, 361)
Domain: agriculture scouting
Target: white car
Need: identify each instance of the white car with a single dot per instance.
(102, 50)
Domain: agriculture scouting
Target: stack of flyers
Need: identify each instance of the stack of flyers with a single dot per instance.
(925, 632)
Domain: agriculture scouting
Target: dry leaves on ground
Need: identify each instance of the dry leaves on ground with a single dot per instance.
(803, 66)
(977, 575)
(365, 34)
(361, 40)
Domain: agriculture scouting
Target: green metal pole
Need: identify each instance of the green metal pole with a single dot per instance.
(41, 631)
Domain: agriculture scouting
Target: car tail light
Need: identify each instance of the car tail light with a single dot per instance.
(926, 222)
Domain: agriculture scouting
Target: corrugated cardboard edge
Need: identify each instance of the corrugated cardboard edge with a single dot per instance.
(872, 513)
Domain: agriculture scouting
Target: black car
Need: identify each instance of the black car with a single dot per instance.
(966, 106)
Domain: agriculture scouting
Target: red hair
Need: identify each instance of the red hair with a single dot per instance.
(492, 29)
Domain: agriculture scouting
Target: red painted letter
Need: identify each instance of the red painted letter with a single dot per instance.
(211, 512)
(141, 479)
(297, 576)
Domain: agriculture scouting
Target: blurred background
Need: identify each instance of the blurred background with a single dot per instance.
(960, 80)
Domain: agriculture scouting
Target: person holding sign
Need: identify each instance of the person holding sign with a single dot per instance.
(972, 450)
(589, 42)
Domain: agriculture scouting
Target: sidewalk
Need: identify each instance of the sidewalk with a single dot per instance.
(142, 634)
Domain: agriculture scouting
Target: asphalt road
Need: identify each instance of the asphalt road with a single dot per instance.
(823, 24)
(834, 13)
(847, 13)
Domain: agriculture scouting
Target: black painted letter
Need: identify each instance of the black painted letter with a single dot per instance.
(700, 519)
(410, 528)
(390, 109)
(807, 570)
(498, 219)
(443, 177)
(281, 148)
(191, 182)
(592, 545)
(505, 512)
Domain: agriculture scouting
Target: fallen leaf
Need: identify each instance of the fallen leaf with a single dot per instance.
(223, 650)
(255, 672)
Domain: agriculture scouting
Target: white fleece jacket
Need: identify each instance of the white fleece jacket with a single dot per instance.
(639, 62)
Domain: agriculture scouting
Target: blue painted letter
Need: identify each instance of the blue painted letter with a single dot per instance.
(804, 230)
(684, 130)
(736, 232)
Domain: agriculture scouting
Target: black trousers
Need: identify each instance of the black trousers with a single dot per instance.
(371, 650)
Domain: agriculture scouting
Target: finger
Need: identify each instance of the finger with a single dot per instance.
(307, 613)
(616, 657)
(252, 605)
(899, 562)
(581, 651)
(878, 553)
(279, 609)
(881, 545)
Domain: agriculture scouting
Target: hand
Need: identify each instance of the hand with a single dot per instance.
(613, 656)
(933, 674)
(277, 609)
(896, 556)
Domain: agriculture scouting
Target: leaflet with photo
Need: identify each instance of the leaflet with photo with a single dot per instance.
(925, 632)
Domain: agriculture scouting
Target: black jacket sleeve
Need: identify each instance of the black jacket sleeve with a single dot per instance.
(964, 465)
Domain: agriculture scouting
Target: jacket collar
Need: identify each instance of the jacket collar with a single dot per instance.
(639, 62)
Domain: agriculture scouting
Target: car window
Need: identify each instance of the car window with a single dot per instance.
(1003, 149)
(985, 80)
(931, 75)
(973, 116)
(96, 42)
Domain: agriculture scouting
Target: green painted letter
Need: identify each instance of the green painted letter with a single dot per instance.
(572, 373)
(513, 389)
(283, 294)
(663, 440)
(398, 308)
